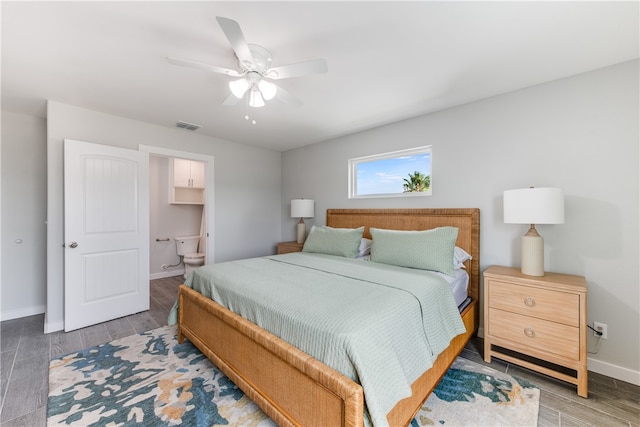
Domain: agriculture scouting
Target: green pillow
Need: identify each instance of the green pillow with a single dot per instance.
(427, 250)
(334, 241)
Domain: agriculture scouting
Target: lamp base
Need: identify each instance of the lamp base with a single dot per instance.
(532, 246)
(301, 231)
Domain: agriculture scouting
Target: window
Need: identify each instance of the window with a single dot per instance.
(400, 173)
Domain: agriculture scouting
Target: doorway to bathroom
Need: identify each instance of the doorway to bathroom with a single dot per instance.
(177, 208)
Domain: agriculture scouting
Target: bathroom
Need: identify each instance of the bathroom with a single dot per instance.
(180, 217)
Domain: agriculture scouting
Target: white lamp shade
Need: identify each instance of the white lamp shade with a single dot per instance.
(302, 208)
(542, 205)
(255, 98)
(239, 87)
(268, 89)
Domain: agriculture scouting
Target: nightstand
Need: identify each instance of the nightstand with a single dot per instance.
(537, 320)
(287, 247)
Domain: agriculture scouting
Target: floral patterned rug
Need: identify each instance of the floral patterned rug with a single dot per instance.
(152, 380)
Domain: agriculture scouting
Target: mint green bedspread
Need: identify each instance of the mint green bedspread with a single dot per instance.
(380, 325)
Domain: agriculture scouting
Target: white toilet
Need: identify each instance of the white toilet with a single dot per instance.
(187, 248)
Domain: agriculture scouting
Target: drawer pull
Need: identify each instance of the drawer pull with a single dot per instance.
(529, 332)
(529, 302)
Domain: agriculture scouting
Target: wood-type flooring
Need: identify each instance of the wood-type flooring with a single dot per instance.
(25, 353)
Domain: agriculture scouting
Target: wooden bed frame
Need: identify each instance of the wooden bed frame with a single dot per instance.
(293, 388)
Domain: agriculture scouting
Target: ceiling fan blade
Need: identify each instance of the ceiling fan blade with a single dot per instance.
(231, 100)
(232, 30)
(287, 98)
(201, 66)
(315, 66)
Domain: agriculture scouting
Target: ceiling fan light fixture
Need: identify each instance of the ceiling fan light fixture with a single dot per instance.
(254, 62)
(239, 87)
(255, 98)
(267, 89)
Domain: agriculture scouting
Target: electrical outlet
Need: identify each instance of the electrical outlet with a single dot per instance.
(600, 327)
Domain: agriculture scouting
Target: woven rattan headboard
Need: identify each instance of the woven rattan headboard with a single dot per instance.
(467, 221)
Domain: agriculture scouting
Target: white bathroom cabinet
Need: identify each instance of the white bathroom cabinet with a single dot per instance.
(187, 183)
(188, 173)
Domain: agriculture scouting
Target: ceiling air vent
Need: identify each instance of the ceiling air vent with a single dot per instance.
(187, 125)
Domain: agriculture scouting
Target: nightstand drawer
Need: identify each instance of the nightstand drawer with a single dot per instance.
(560, 307)
(539, 336)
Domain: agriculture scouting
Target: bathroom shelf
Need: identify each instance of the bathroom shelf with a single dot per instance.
(187, 196)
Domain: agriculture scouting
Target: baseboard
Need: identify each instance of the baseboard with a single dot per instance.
(614, 371)
(164, 274)
(22, 312)
(52, 326)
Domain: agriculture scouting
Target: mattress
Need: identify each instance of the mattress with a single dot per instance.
(459, 284)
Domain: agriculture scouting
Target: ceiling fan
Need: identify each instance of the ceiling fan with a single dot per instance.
(255, 72)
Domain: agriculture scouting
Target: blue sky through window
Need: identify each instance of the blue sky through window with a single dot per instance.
(386, 176)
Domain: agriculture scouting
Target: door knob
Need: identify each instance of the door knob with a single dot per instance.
(73, 245)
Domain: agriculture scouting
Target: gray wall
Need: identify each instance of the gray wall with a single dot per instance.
(578, 133)
(24, 209)
(247, 205)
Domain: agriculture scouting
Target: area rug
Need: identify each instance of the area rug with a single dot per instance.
(150, 379)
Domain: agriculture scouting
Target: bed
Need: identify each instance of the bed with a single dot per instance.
(292, 387)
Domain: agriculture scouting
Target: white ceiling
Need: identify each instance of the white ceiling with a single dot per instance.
(387, 61)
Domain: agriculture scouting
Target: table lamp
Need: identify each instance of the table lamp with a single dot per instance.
(302, 208)
(533, 206)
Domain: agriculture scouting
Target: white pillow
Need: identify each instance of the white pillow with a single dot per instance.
(365, 247)
(459, 257)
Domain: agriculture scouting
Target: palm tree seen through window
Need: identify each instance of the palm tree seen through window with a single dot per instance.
(398, 173)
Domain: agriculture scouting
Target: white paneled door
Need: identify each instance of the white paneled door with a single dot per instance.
(106, 228)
